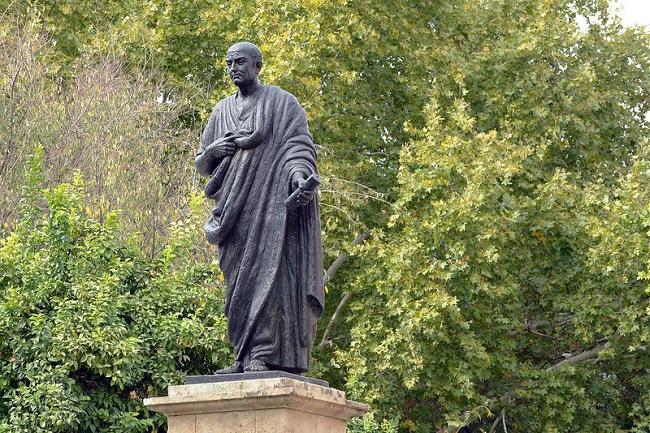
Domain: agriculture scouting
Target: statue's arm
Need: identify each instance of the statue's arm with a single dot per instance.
(302, 168)
(298, 180)
(207, 159)
(212, 152)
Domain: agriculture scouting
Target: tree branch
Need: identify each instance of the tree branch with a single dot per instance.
(335, 318)
(4, 162)
(329, 274)
(342, 258)
(580, 357)
(495, 423)
(493, 403)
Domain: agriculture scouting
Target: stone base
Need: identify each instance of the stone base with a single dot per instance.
(252, 375)
(273, 405)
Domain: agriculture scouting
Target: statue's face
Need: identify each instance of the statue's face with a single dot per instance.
(241, 67)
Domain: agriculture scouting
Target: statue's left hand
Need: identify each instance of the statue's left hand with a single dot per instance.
(298, 181)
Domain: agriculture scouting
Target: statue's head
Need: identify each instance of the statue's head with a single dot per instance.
(244, 61)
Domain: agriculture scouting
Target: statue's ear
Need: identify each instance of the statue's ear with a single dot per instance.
(259, 66)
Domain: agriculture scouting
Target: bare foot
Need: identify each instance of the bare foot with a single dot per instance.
(237, 367)
(257, 365)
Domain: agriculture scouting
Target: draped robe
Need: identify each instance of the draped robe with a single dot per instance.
(271, 257)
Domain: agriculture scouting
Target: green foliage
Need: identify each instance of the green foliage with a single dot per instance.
(89, 325)
(518, 237)
(103, 121)
(497, 149)
(368, 424)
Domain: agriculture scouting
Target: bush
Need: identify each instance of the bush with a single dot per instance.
(89, 325)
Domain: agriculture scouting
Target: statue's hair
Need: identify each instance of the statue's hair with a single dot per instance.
(250, 48)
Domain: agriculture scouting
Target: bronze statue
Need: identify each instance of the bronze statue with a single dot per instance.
(261, 161)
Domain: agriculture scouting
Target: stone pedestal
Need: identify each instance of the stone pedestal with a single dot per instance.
(283, 404)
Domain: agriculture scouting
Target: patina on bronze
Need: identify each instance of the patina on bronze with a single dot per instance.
(257, 151)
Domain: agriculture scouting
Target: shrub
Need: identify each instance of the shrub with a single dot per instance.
(89, 325)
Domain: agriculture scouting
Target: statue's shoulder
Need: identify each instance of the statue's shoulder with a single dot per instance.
(280, 94)
(223, 103)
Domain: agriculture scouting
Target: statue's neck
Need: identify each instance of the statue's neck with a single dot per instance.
(249, 89)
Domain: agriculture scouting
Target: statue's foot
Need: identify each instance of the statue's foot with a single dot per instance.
(257, 365)
(237, 367)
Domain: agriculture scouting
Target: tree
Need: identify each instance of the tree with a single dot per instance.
(103, 121)
(509, 285)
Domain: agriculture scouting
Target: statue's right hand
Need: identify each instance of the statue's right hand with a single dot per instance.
(221, 148)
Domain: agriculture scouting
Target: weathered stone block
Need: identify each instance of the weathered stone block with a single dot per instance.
(274, 405)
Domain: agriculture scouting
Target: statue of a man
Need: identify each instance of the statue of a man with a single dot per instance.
(257, 151)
